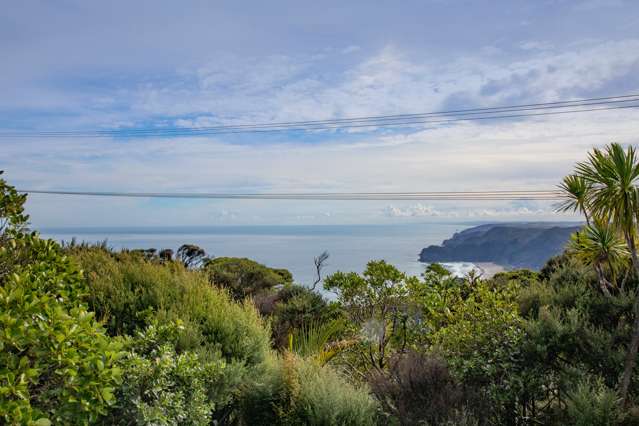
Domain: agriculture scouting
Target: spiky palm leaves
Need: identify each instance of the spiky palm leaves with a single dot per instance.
(575, 195)
(611, 178)
(316, 340)
(604, 189)
(599, 245)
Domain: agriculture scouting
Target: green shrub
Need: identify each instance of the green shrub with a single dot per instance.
(56, 362)
(130, 293)
(294, 391)
(163, 387)
(593, 404)
(481, 343)
(325, 398)
(244, 277)
(295, 307)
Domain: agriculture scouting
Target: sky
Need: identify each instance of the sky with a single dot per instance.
(89, 65)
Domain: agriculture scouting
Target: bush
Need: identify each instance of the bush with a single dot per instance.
(130, 293)
(294, 308)
(419, 389)
(481, 343)
(593, 404)
(56, 363)
(244, 277)
(163, 387)
(295, 391)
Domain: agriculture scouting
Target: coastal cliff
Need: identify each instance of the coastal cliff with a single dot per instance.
(522, 245)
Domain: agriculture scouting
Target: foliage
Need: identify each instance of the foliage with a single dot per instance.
(573, 332)
(295, 391)
(480, 339)
(576, 191)
(612, 176)
(294, 307)
(519, 278)
(244, 277)
(316, 341)
(130, 293)
(376, 303)
(165, 255)
(600, 246)
(611, 197)
(593, 404)
(56, 363)
(163, 387)
(190, 255)
(419, 389)
(12, 216)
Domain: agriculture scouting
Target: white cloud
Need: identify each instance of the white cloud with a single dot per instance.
(417, 210)
(527, 154)
(512, 212)
(286, 88)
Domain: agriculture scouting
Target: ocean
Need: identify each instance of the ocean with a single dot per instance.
(288, 246)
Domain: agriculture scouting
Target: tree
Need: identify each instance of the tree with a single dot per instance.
(319, 262)
(292, 308)
(191, 255)
(599, 245)
(166, 255)
(244, 277)
(480, 336)
(612, 175)
(376, 303)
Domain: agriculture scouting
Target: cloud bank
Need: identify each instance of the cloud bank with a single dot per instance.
(200, 71)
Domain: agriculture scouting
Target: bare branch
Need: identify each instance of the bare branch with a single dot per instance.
(320, 263)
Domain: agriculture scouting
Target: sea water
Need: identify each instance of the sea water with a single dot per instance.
(292, 247)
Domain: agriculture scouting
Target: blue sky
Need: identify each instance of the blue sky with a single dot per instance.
(73, 65)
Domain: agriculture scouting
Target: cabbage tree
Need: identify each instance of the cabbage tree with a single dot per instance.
(612, 175)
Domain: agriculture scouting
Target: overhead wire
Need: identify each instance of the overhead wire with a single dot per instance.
(327, 196)
(489, 113)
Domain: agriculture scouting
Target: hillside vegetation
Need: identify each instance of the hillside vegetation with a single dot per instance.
(93, 336)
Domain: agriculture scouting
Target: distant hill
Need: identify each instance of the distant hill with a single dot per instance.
(517, 245)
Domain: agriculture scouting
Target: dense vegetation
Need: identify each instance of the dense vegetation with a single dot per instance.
(90, 335)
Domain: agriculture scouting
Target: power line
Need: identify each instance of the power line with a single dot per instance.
(327, 196)
(472, 111)
(522, 111)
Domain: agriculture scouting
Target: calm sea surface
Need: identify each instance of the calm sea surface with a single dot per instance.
(291, 247)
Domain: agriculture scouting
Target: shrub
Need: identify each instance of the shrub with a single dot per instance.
(481, 343)
(593, 404)
(56, 363)
(295, 391)
(244, 277)
(130, 293)
(419, 389)
(163, 387)
(295, 307)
